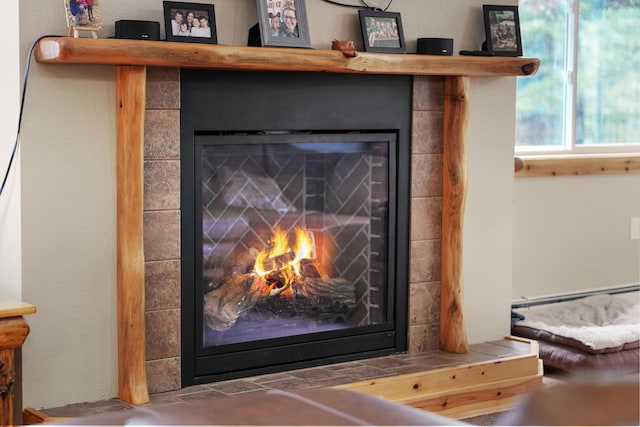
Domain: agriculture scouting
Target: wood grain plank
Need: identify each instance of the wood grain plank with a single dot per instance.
(453, 335)
(11, 308)
(577, 165)
(130, 106)
(195, 55)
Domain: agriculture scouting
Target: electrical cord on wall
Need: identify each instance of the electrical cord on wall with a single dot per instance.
(363, 3)
(22, 96)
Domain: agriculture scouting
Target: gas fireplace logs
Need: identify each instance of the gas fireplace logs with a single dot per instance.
(280, 281)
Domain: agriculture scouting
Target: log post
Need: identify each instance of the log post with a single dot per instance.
(130, 105)
(453, 336)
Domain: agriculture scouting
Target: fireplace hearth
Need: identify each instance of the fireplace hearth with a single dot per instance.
(149, 260)
(295, 215)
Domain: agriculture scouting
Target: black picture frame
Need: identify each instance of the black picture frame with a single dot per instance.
(272, 11)
(389, 39)
(502, 30)
(200, 11)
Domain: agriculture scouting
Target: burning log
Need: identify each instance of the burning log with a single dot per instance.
(313, 299)
(278, 262)
(275, 283)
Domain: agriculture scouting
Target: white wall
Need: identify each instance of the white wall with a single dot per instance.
(573, 233)
(68, 188)
(10, 245)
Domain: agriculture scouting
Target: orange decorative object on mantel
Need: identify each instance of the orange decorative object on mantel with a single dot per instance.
(13, 331)
(347, 47)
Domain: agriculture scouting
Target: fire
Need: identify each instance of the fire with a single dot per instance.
(280, 267)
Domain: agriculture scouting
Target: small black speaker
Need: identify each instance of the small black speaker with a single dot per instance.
(137, 30)
(435, 46)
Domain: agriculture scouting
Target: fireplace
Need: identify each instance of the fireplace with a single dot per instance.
(294, 225)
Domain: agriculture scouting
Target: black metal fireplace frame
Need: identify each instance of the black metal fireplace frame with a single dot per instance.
(317, 103)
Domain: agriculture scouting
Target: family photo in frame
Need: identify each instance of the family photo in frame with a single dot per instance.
(382, 31)
(283, 23)
(502, 30)
(190, 22)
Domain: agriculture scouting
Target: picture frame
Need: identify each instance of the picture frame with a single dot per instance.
(283, 23)
(180, 25)
(502, 30)
(382, 31)
(83, 15)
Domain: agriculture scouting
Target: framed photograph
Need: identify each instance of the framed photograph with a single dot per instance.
(502, 29)
(382, 31)
(83, 15)
(283, 23)
(190, 22)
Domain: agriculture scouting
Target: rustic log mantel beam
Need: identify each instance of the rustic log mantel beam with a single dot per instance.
(133, 56)
(66, 50)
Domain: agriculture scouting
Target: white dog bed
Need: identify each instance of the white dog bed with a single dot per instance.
(592, 332)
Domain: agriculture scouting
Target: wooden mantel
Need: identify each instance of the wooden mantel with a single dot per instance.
(133, 56)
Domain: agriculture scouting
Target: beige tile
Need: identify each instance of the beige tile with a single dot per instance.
(162, 134)
(161, 235)
(162, 334)
(426, 171)
(428, 93)
(235, 386)
(427, 132)
(424, 303)
(162, 184)
(424, 261)
(163, 88)
(426, 218)
(163, 375)
(162, 285)
(418, 338)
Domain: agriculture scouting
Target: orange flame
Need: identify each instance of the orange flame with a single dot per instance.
(283, 262)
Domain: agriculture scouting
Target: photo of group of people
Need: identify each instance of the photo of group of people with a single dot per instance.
(503, 33)
(502, 30)
(382, 32)
(283, 18)
(190, 23)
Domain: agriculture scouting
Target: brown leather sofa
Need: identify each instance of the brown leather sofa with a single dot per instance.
(311, 407)
(589, 401)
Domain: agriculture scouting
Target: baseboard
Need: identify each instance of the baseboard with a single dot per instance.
(462, 391)
(568, 296)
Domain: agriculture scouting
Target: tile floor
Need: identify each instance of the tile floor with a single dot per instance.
(324, 376)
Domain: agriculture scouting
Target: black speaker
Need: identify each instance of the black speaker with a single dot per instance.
(435, 46)
(137, 30)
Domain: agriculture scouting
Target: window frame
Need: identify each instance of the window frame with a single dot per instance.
(585, 154)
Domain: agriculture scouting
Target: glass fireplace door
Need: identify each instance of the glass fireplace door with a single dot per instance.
(295, 235)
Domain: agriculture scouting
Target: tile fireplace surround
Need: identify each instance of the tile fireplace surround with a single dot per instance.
(162, 222)
(148, 229)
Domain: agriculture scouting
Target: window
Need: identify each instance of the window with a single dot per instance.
(586, 95)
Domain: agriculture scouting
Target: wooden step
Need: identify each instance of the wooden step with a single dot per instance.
(461, 391)
(32, 416)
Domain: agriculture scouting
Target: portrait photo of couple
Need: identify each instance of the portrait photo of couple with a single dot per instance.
(283, 23)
